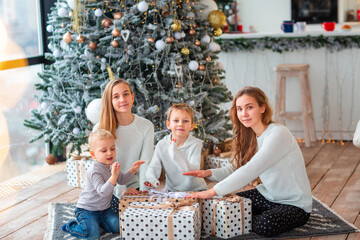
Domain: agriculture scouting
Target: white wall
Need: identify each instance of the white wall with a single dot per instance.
(334, 82)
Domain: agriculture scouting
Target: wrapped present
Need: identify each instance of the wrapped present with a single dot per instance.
(227, 217)
(152, 196)
(76, 168)
(213, 161)
(170, 220)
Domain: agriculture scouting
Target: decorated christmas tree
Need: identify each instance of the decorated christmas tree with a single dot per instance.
(163, 48)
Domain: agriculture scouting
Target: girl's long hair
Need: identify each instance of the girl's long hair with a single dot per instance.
(108, 120)
(244, 140)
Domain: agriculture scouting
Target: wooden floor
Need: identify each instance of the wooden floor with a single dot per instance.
(333, 169)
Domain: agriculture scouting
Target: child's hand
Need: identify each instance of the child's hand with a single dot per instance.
(135, 167)
(149, 185)
(115, 170)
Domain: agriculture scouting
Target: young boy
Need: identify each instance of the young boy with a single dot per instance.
(177, 153)
(93, 207)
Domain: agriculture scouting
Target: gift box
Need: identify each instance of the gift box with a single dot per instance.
(76, 170)
(152, 196)
(176, 220)
(227, 217)
(212, 161)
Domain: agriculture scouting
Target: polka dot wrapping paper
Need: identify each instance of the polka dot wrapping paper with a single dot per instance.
(125, 201)
(212, 161)
(140, 223)
(230, 220)
(76, 171)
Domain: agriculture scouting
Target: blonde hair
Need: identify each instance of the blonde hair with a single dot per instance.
(108, 118)
(99, 134)
(181, 106)
(244, 140)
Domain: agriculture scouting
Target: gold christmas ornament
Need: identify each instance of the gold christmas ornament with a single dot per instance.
(185, 51)
(115, 43)
(67, 37)
(194, 25)
(216, 18)
(176, 26)
(208, 58)
(217, 32)
(192, 32)
(201, 67)
(115, 32)
(92, 45)
(216, 81)
(106, 22)
(80, 39)
(169, 39)
(117, 15)
(62, 25)
(197, 42)
(150, 39)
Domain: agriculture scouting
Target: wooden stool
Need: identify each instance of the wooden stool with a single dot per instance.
(301, 72)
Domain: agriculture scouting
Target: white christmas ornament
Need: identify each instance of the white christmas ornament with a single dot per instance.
(57, 53)
(213, 46)
(77, 109)
(143, 6)
(87, 132)
(93, 110)
(211, 6)
(76, 131)
(71, 3)
(62, 12)
(103, 60)
(160, 44)
(98, 12)
(183, 34)
(193, 65)
(205, 39)
(44, 106)
(50, 28)
(178, 35)
(190, 14)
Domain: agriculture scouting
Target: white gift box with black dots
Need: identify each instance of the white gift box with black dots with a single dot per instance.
(230, 220)
(212, 161)
(76, 171)
(140, 223)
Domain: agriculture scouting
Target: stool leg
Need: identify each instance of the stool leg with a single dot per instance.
(305, 111)
(310, 111)
(280, 98)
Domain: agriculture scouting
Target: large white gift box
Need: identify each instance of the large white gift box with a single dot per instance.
(76, 171)
(170, 220)
(227, 217)
(212, 161)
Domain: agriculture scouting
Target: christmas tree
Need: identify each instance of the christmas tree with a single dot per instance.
(163, 48)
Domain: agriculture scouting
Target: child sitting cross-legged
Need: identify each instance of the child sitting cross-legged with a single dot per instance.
(177, 152)
(93, 207)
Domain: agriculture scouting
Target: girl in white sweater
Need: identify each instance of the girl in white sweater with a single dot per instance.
(267, 150)
(134, 135)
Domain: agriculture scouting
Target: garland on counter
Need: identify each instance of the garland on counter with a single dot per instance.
(281, 44)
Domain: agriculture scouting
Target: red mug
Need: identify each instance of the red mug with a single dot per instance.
(328, 26)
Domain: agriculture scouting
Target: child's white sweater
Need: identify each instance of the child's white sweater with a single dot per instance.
(175, 161)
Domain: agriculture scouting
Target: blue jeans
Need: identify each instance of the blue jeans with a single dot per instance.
(88, 224)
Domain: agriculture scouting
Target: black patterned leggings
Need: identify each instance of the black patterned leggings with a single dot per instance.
(270, 219)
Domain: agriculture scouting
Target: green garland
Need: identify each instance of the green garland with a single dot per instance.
(281, 44)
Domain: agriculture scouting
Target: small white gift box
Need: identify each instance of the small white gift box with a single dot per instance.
(170, 220)
(213, 161)
(227, 217)
(76, 171)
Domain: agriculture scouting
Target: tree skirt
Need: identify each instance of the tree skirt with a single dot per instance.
(323, 221)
